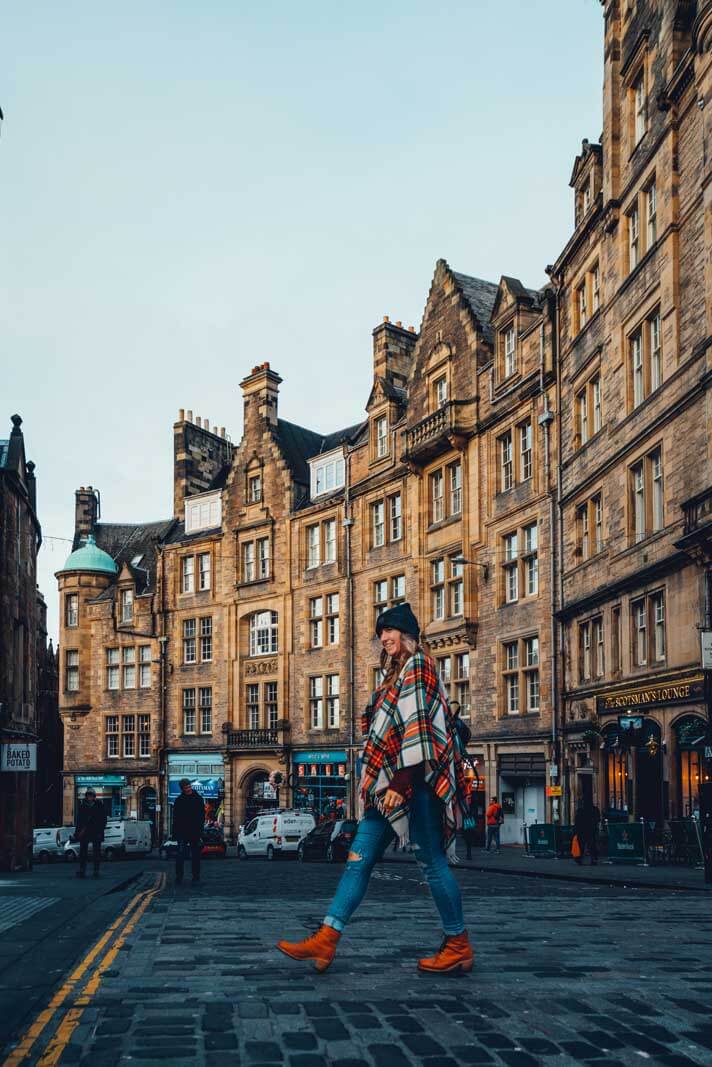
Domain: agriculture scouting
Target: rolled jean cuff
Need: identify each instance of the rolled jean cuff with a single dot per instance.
(335, 924)
(449, 932)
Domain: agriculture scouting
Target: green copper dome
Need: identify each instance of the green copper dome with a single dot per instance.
(90, 558)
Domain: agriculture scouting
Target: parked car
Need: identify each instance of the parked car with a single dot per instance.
(122, 837)
(330, 841)
(273, 835)
(213, 845)
(48, 842)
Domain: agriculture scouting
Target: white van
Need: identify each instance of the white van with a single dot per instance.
(274, 834)
(122, 837)
(48, 842)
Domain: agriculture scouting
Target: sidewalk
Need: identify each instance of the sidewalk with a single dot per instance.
(516, 861)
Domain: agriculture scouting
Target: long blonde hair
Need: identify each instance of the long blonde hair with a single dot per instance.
(393, 665)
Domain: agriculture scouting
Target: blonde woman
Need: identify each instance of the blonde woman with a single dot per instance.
(412, 785)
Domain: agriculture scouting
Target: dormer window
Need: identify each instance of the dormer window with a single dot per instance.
(586, 198)
(203, 512)
(508, 352)
(328, 473)
(254, 489)
(127, 605)
(381, 436)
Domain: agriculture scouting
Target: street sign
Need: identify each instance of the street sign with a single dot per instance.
(18, 756)
(553, 790)
(706, 643)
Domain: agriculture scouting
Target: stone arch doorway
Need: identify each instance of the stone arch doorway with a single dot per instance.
(255, 785)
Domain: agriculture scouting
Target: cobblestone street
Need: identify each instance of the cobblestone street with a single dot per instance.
(565, 973)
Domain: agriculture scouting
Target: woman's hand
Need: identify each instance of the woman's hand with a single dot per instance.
(391, 800)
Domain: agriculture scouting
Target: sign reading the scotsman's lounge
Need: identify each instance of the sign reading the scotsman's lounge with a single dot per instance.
(18, 756)
(683, 691)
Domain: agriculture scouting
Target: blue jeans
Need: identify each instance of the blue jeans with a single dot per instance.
(373, 837)
(492, 835)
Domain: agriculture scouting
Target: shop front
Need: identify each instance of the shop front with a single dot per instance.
(319, 782)
(652, 748)
(206, 772)
(522, 793)
(111, 791)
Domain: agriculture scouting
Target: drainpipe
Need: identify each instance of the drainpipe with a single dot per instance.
(347, 525)
(162, 702)
(559, 627)
(545, 421)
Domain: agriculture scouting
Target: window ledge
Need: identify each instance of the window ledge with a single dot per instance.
(644, 543)
(581, 333)
(449, 521)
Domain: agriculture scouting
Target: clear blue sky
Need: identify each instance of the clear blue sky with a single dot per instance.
(187, 189)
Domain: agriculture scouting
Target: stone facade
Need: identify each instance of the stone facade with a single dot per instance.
(531, 472)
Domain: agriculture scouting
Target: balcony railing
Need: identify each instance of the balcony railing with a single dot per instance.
(434, 433)
(698, 511)
(253, 738)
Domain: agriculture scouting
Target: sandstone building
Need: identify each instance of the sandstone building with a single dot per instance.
(531, 470)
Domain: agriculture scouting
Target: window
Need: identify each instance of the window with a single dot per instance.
(332, 619)
(595, 386)
(263, 633)
(462, 683)
(112, 736)
(640, 632)
(252, 703)
(647, 496)
(581, 305)
(505, 459)
(316, 703)
(639, 107)
(112, 668)
(328, 473)
(397, 589)
(378, 527)
(254, 489)
(456, 587)
(437, 501)
(455, 488)
(520, 675)
(440, 390)
(651, 212)
(589, 418)
(71, 609)
(597, 523)
(656, 352)
(633, 238)
(144, 666)
(203, 513)
(381, 437)
(586, 198)
(144, 736)
(129, 746)
(595, 288)
(332, 701)
(584, 651)
(271, 705)
(189, 711)
(636, 360)
(263, 557)
(206, 639)
(316, 622)
(187, 574)
(204, 570)
(648, 617)
(381, 598)
(128, 659)
(616, 640)
(396, 518)
(589, 527)
(520, 568)
(248, 562)
(71, 670)
(437, 588)
(205, 700)
(582, 406)
(525, 450)
(189, 641)
(313, 546)
(127, 605)
(510, 352)
(598, 652)
(657, 608)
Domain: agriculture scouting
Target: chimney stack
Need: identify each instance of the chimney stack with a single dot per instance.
(86, 511)
(393, 348)
(260, 390)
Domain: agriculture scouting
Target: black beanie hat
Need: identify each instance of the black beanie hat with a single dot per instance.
(398, 618)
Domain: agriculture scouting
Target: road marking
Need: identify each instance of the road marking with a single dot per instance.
(138, 904)
(14, 910)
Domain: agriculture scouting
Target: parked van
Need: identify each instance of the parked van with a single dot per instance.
(274, 835)
(122, 837)
(48, 842)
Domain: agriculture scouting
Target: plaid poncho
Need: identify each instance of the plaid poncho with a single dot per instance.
(407, 724)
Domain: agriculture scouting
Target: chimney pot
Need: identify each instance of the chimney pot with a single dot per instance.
(411, 329)
(386, 318)
(198, 421)
(215, 430)
(222, 431)
(400, 324)
(190, 416)
(255, 370)
(181, 414)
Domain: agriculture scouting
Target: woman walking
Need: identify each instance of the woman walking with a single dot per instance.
(413, 785)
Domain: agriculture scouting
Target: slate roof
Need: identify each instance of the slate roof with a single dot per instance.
(125, 541)
(521, 290)
(480, 295)
(178, 534)
(4, 445)
(298, 445)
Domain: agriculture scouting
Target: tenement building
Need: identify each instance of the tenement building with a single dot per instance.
(633, 297)
(531, 470)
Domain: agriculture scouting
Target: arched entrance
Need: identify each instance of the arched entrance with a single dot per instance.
(259, 794)
(147, 807)
(690, 732)
(633, 769)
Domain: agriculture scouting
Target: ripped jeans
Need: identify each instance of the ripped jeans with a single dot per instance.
(373, 836)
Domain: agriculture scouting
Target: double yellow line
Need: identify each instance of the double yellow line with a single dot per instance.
(88, 973)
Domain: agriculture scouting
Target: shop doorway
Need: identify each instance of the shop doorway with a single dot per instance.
(649, 774)
(147, 808)
(259, 795)
(634, 770)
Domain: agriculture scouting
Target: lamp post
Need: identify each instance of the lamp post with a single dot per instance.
(473, 563)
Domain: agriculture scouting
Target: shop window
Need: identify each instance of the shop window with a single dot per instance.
(690, 733)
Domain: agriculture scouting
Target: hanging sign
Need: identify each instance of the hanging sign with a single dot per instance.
(18, 756)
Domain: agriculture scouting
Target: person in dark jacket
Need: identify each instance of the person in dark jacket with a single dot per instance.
(188, 822)
(586, 824)
(91, 823)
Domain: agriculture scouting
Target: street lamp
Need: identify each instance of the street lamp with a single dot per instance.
(473, 563)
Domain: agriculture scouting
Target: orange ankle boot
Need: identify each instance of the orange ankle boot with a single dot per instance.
(455, 954)
(320, 947)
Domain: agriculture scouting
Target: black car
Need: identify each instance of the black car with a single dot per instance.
(329, 841)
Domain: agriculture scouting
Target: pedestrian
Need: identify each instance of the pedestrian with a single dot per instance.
(586, 822)
(494, 817)
(412, 785)
(469, 828)
(91, 823)
(188, 822)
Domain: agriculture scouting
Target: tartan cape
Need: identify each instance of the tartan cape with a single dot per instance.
(407, 724)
